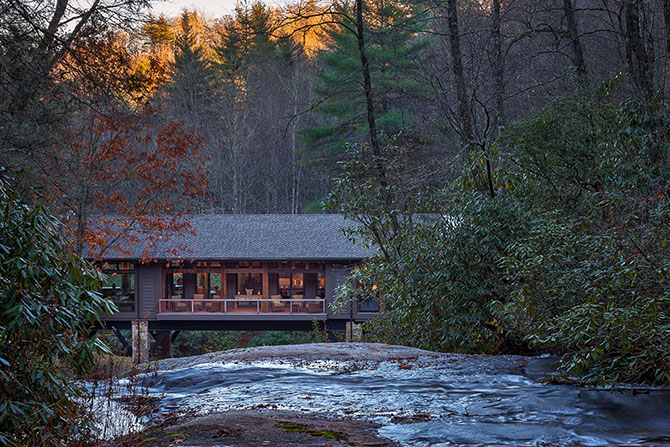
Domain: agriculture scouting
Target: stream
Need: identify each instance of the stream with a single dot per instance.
(428, 400)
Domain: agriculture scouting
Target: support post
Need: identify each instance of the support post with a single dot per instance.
(356, 332)
(140, 341)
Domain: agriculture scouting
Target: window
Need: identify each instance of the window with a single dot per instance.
(120, 284)
(249, 283)
(208, 285)
(368, 305)
(244, 265)
(285, 284)
(297, 285)
(291, 284)
(202, 286)
(368, 298)
(215, 286)
(175, 285)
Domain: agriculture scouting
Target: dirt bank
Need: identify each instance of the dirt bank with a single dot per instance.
(261, 428)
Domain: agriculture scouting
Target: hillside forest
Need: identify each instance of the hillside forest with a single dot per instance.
(508, 159)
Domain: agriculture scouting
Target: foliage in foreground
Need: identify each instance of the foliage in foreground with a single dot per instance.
(569, 254)
(590, 276)
(46, 311)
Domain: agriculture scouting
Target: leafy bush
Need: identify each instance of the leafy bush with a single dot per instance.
(201, 342)
(437, 291)
(566, 248)
(590, 276)
(47, 308)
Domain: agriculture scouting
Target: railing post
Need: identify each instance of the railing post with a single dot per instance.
(225, 306)
(258, 306)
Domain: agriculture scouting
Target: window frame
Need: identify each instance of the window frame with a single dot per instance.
(119, 269)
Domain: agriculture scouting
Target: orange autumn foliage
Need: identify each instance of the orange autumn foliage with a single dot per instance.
(126, 179)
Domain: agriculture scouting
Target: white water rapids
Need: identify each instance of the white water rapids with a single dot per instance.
(427, 401)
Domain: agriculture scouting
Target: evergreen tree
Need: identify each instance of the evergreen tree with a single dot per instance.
(158, 32)
(393, 49)
(245, 47)
(190, 86)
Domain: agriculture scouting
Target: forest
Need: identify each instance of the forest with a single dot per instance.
(508, 158)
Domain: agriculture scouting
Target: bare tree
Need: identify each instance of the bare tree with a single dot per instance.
(638, 55)
(575, 41)
(466, 129)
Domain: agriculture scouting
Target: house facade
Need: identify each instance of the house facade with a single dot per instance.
(246, 272)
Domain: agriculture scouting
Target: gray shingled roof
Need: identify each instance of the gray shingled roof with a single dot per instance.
(260, 237)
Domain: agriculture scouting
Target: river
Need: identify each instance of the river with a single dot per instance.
(426, 400)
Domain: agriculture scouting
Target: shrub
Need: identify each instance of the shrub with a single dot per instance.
(47, 308)
(566, 246)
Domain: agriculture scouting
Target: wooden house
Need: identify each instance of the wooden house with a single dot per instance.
(246, 272)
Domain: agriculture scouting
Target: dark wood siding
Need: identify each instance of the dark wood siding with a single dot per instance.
(311, 280)
(231, 285)
(273, 284)
(149, 287)
(335, 276)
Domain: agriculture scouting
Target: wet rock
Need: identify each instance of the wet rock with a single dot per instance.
(268, 428)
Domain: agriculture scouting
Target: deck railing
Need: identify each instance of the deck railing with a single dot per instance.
(243, 306)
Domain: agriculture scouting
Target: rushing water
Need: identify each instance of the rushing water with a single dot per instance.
(445, 401)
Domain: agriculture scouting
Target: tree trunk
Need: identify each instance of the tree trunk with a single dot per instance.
(575, 42)
(499, 68)
(666, 18)
(367, 86)
(636, 51)
(294, 147)
(367, 82)
(467, 134)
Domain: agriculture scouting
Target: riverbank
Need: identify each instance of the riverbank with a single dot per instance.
(261, 428)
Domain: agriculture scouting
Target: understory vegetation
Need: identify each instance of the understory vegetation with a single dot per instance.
(201, 342)
(49, 303)
(563, 248)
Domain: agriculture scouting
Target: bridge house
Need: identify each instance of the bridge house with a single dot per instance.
(239, 272)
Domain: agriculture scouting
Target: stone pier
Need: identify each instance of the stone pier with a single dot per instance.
(140, 341)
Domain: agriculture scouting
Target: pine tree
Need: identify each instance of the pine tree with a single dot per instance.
(158, 33)
(190, 86)
(393, 49)
(245, 46)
